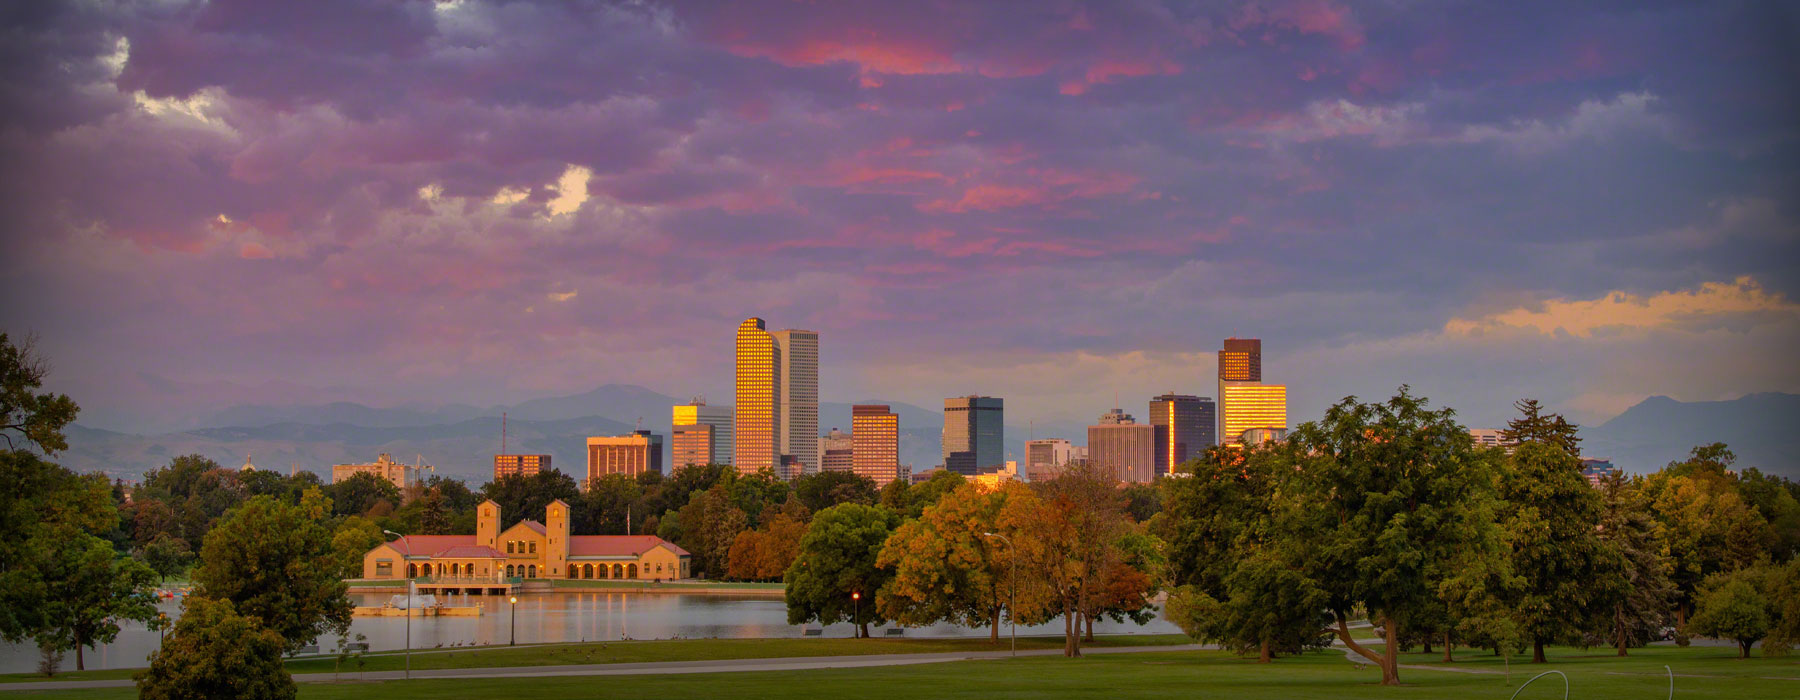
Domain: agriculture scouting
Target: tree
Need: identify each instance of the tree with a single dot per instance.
(766, 554)
(1706, 527)
(1627, 527)
(837, 560)
(1533, 425)
(707, 526)
(609, 501)
(826, 489)
(1382, 494)
(1074, 526)
(361, 493)
(524, 497)
(215, 653)
(167, 556)
(94, 589)
(274, 561)
(44, 508)
(37, 419)
(1567, 578)
(354, 537)
(1730, 606)
(1773, 497)
(945, 567)
(434, 513)
(1230, 589)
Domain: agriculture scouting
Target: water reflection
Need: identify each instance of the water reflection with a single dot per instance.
(553, 617)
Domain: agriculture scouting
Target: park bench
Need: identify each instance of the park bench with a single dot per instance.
(810, 632)
(896, 632)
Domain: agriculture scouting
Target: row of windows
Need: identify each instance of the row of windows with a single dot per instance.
(522, 547)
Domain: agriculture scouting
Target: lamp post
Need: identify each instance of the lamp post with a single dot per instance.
(856, 629)
(1012, 592)
(513, 639)
(409, 603)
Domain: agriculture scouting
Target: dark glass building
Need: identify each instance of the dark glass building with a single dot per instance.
(1185, 427)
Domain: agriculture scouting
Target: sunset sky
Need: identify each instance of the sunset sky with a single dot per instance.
(1053, 202)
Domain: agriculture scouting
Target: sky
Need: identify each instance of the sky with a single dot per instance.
(1064, 204)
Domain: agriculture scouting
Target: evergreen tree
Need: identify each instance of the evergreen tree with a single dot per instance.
(1534, 425)
(1627, 527)
(1569, 580)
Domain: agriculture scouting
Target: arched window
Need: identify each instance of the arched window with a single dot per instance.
(631, 571)
(533, 571)
(587, 570)
(412, 570)
(534, 546)
(455, 569)
(618, 571)
(509, 571)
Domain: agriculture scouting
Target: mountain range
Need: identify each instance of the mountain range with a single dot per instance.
(460, 440)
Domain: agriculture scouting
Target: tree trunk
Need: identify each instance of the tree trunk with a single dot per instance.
(1425, 648)
(994, 629)
(864, 626)
(1619, 628)
(79, 666)
(1537, 651)
(1743, 651)
(1090, 627)
(1069, 634)
(1447, 646)
(1266, 655)
(1388, 676)
(1390, 673)
(1681, 635)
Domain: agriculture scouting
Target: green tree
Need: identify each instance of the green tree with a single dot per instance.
(1534, 425)
(708, 525)
(1773, 497)
(1706, 527)
(1730, 606)
(837, 560)
(1383, 493)
(354, 537)
(1568, 578)
(35, 418)
(525, 497)
(946, 567)
(360, 494)
(44, 508)
(167, 556)
(94, 589)
(216, 654)
(826, 489)
(1230, 589)
(274, 561)
(1627, 527)
(608, 501)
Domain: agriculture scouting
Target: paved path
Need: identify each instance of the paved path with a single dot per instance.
(797, 663)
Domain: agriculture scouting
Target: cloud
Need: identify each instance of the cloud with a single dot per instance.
(1712, 303)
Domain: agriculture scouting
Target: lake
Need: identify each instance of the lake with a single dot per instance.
(561, 616)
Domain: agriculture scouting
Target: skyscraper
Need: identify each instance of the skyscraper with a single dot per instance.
(973, 434)
(697, 412)
(520, 465)
(875, 431)
(691, 444)
(1122, 447)
(756, 426)
(837, 450)
(1241, 360)
(1250, 405)
(1185, 427)
(799, 412)
(632, 454)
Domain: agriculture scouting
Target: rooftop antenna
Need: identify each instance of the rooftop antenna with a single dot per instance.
(502, 432)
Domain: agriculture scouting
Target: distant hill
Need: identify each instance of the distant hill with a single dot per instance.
(1762, 429)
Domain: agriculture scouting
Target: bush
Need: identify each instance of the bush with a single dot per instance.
(216, 653)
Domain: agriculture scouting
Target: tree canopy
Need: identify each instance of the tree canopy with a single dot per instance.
(216, 654)
(274, 561)
(837, 561)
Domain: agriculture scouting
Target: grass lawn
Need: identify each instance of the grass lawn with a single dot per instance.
(647, 651)
(1706, 673)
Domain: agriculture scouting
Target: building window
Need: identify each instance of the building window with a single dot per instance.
(509, 547)
(534, 547)
(384, 568)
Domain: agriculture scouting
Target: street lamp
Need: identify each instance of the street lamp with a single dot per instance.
(409, 603)
(1012, 593)
(855, 630)
(514, 632)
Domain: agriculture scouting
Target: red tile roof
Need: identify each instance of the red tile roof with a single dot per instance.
(471, 551)
(617, 545)
(427, 545)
